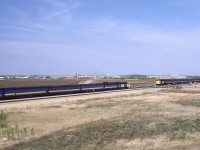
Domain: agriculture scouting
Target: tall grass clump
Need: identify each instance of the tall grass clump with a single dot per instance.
(16, 132)
(3, 119)
(13, 131)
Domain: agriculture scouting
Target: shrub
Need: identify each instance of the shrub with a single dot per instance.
(3, 119)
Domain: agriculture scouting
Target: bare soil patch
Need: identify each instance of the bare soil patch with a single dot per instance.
(38, 82)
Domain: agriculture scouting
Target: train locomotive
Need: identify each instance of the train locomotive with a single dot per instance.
(23, 92)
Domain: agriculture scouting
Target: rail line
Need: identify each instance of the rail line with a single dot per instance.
(77, 94)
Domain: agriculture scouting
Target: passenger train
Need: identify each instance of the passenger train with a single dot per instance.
(169, 82)
(22, 92)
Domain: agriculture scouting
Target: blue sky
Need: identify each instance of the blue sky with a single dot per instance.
(62, 37)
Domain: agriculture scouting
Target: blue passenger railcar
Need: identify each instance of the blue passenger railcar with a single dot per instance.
(64, 87)
(24, 90)
(1, 93)
(9, 93)
(92, 86)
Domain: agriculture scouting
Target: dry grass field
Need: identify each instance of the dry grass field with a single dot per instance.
(132, 82)
(138, 119)
(51, 82)
(37, 82)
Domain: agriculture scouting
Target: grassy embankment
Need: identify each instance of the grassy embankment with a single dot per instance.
(163, 120)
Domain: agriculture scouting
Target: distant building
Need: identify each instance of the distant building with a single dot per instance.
(21, 77)
(167, 76)
(178, 76)
(77, 75)
(115, 77)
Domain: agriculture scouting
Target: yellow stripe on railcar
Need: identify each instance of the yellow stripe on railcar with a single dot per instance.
(24, 93)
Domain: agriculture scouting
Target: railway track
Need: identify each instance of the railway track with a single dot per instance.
(77, 94)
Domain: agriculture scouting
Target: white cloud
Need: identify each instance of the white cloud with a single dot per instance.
(48, 15)
(137, 32)
(64, 10)
(38, 48)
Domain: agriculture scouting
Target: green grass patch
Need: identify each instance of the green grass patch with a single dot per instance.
(95, 106)
(16, 132)
(16, 113)
(51, 106)
(3, 119)
(101, 105)
(189, 102)
(92, 99)
(179, 90)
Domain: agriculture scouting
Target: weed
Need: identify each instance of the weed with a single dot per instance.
(178, 135)
(51, 106)
(32, 131)
(3, 119)
(16, 132)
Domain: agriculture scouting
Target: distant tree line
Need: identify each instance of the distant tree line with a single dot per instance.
(132, 76)
(135, 76)
(193, 77)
